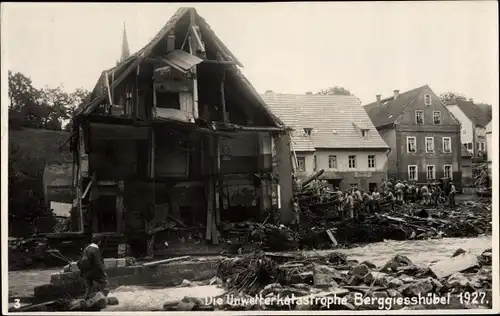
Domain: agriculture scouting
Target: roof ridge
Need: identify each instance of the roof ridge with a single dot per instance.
(308, 95)
(400, 95)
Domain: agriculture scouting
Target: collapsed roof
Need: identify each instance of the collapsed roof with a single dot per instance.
(125, 67)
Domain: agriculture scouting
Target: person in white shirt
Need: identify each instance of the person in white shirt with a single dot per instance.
(451, 195)
(399, 191)
(425, 194)
(376, 200)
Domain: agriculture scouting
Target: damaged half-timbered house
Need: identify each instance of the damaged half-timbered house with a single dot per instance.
(175, 142)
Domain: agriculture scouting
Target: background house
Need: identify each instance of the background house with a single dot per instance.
(423, 135)
(466, 168)
(489, 147)
(334, 133)
(474, 118)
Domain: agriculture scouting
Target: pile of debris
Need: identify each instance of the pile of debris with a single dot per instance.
(248, 272)
(413, 222)
(332, 282)
(322, 227)
(44, 250)
(251, 236)
(409, 221)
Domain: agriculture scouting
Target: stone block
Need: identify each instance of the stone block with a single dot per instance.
(55, 278)
(121, 262)
(360, 270)
(323, 276)
(109, 263)
(421, 287)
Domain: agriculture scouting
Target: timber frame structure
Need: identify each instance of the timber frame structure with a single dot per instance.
(168, 132)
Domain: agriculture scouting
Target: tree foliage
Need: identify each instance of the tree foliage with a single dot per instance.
(452, 96)
(335, 90)
(47, 107)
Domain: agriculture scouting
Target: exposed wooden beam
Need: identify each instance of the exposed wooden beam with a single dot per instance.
(223, 97)
(194, 31)
(221, 62)
(195, 83)
(86, 190)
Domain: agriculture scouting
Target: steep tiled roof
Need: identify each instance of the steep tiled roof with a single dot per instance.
(389, 110)
(479, 114)
(334, 119)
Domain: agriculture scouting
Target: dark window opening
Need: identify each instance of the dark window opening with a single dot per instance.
(169, 100)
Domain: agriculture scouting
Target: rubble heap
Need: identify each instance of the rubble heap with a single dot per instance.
(248, 273)
(410, 221)
(316, 279)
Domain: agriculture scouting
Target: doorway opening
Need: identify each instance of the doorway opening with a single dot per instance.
(106, 206)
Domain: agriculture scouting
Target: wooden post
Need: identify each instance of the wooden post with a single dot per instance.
(223, 96)
(152, 155)
(92, 197)
(112, 88)
(79, 186)
(119, 212)
(218, 182)
(192, 50)
(195, 82)
(153, 115)
(136, 101)
(210, 203)
(210, 189)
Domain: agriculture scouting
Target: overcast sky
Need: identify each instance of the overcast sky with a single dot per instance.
(368, 48)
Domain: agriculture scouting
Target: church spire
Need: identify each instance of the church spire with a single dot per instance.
(125, 49)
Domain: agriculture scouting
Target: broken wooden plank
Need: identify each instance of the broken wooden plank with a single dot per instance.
(170, 260)
(210, 205)
(450, 266)
(363, 288)
(215, 232)
(175, 219)
(290, 266)
(312, 178)
(396, 219)
(332, 238)
(33, 307)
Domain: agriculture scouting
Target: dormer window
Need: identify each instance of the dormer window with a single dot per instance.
(364, 132)
(308, 131)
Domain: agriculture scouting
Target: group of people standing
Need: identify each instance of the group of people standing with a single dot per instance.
(354, 200)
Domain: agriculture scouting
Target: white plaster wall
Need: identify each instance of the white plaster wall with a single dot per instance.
(322, 157)
(489, 145)
(467, 136)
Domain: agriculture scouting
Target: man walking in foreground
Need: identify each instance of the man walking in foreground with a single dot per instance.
(91, 266)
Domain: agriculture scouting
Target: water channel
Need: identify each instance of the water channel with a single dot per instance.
(419, 251)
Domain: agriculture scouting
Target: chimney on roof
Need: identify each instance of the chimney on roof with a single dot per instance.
(396, 94)
(379, 96)
(309, 93)
(269, 91)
